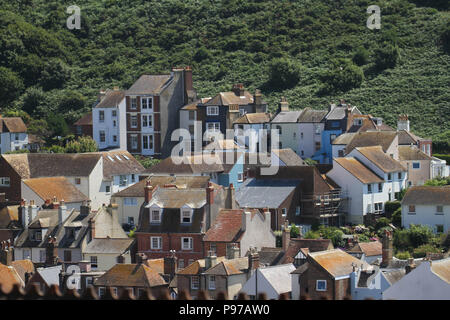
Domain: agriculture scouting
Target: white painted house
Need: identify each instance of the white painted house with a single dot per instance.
(427, 205)
(370, 178)
(273, 281)
(109, 120)
(252, 130)
(13, 134)
(429, 281)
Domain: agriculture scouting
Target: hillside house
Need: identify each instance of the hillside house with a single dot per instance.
(13, 134)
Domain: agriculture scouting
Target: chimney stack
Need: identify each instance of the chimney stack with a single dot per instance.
(403, 122)
(148, 191)
(85, 208)
(91, 226)
(51, 256)
(232, 197)
(188, 82)
(210, 194)
(286, 236)
(6, 253)
(23, 214)
(283, 106)
(238, 89)
(85, 266)
(253, 259)
(411, 266)
(140, 258)
(170, 264)
(210, 260)
(62, 211)
(387, 249)
(233, 251)
(55, 203)
(32, 211)
(120, 259)
(113, 210)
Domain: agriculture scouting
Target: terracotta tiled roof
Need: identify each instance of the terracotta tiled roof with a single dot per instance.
(372, 138)
(411, 153)
(59, 187)
(229, 267)
(148, 84)
(312, 245)
(8, 215)
(111, 99)
(13, 125)
(9, 277)
(156, 265)
(380, 159)
(370, 249)
(197, 267)
(118, 163)
(406, 137)
(229, 97)
(336, 262)
(226, 227)
(251, 118)
(22, 267)
(130, 275)
(427, 195)
(358, 170)
(85, 120)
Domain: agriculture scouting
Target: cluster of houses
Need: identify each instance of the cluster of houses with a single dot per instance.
(193, 224)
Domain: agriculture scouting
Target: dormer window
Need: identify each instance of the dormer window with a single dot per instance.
(38, 235)
(155, 215)
(186, 215)
(357, 122)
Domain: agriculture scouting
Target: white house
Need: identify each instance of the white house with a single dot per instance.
(370, 178)
(427, 205)
(253, 128)
(273, 281)
(13, 134)
(109, 120)
(429, 281)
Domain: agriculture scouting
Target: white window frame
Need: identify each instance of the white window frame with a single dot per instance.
(149, 140)
(130, 201)
(210, 109)
(133, 106)
(183, 210)
(148, 122)
(380, 185)
(158, 243)
(240, 177)
(369, 188)
(113, 113)
(123, 181)
(321, 281)
(149, 105)
(215, 126)
(190, 243)
(132, 117)
(154, 209)
(197, 282)
(414, 164)
(212, 282)
(409, 209)
(297, 210)
(441, 211)
(94, 262)
(102, 133)
(101, 116)
(5, 181)
(27, 256)
(134, 141)
(101, 291)
(42, 255)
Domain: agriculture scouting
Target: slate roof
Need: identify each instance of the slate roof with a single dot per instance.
(270, 256)
(287, 117)
(338, 113)
(358, 170)
(130, 275)
(289, 157)
(380, 159)
(372, 138)
(309, 115)
(229, 97)
(252, 118)
(259, 193)
(9, 277)
(279, 277)
(85, 120)
(12, 125)
(149, 84)
(111, 99)
(108, 246)
(118, 163)
(344, 139)
(179, 182)
(336, 262)
(35, 165)
(226, 227)
(59, 187)
(427, 195)
(393, 275)
(406, 153)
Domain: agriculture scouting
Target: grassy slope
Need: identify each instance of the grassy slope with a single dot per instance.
(151, 36)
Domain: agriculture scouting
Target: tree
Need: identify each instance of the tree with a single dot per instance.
(343, 75)
(381, 223)
(284, 73)
(55, 74)
(81, 145)
(397, 218)
(202, 54)
(387, 56)
(295, 231)
(361, 56)
(11, 85)
(57, 125)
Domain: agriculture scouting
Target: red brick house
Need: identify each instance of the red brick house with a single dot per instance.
(83, 127)
(176, 219)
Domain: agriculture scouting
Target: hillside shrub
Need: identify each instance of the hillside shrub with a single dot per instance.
(403, 255)
(397, 218)
(387, 56)
(391, 206)
(342, 76)
(421, 251)
(361, 56)
(284, 73)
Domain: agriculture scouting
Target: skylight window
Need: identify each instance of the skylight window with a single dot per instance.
(118, 158)
(110, 158)
(125, 157)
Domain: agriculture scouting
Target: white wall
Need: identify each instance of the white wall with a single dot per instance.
(8, 141)
(125, 211)
(295, 283)
(29, 194)
(426, 215)
(119, 130)
(258, 233)
(106, 261)
(308, 143)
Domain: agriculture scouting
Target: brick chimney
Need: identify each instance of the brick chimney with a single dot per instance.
(238, 89)
(253, 259)
(210, 194)
(283, 105)
(6, 253)
(170, 264)
(51, 254)
(231, 197)
(91, 226)
(286, 236)
(387, 249)
(55, 203)
(140, 258)
(148, 191)
(85, 266)
(188, 82)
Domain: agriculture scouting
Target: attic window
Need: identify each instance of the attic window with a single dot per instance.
(110, 158)
(118, 158)
(125, 157)
(186, 215)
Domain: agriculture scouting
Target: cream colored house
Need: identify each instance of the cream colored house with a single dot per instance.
(106, 252)
(417, 163)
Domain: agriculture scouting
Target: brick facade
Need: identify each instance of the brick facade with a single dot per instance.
(13, 192)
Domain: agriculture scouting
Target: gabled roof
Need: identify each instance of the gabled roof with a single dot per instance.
(289, 157)
(344, 139)
(372, 138)
(313, 245)
(177, 198)
(130, 275)
(287, 117)
(253, 118)
(427, 195)
(378, 157)
(50, 275)
(22, 267)
(35, 165)
(406, 138)
(156, 265)
(83, 121)
(358, 170)
(406, 153)
(111, 99)
(59, 187)
(108, 246)
(178, 182)
(279, 277)
(12, 125)
(338, 112)
(269, 193)
(196, 267)
(118, 163)
(226, 227)
(309, 115)
(9, 277)
(336, 262)
(270, 256)
(441, 268)
(370, 249)
(229, 97)
(229, 267)
(149, 84)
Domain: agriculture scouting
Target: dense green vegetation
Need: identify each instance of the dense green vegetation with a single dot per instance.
(322, 49)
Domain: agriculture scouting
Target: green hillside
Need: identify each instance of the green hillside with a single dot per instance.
(47, 70)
